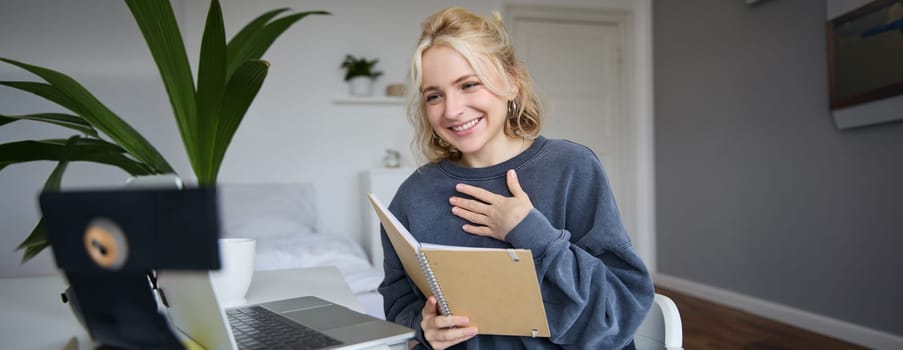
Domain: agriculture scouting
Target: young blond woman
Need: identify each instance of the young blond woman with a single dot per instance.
(491, 180)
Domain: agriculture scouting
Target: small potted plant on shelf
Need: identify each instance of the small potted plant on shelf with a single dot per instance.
(360, 75)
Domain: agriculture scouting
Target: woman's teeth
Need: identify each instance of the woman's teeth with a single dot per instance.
(467, 125)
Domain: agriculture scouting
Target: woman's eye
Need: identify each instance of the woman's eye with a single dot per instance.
(431, 98)
(470, 85)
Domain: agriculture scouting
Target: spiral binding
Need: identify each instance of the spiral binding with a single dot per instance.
(434, 284)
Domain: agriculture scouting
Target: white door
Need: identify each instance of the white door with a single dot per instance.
(576, 60)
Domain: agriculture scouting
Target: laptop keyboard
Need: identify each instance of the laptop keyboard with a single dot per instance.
(258, 328)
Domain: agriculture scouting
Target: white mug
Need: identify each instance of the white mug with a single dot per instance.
(232, 281)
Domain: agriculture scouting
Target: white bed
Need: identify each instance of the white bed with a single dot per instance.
(282, 217)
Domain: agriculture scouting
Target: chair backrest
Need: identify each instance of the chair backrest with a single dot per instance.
(661, 329)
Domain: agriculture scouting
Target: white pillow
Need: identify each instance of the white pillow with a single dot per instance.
(263, 210)
(297, 251)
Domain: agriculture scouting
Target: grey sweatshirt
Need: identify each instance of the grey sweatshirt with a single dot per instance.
(595, 288)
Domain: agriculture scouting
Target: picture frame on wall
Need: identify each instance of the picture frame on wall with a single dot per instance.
(865, 48)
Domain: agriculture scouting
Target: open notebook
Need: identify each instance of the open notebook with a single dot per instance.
(496, 288)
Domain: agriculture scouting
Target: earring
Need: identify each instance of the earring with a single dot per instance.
(512, 108)
(442, 143)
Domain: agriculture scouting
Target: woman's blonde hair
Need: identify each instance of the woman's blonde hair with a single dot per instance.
(477, 39)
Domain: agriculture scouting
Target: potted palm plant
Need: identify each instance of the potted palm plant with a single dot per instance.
(359, 74)
(208, 113)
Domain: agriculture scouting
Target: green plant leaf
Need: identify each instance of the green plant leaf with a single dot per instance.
(158, 24)
(83, 149)
(68, 93)
(238, 43)
(211, 87)
(55, 180)
(360, 67)
(46, 91)
(37, 239)
(253, 45)
(64, 120)
(32, 251)
(240, 93)
(6, 120)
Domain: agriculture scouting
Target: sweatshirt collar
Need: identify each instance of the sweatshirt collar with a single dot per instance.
(493, 171)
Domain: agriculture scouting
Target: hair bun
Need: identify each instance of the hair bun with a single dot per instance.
(497, 16)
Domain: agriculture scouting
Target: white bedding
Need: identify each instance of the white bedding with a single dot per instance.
(282, 218)
(317, 249)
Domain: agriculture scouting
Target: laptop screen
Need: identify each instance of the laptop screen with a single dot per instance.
(107, 243)
(133, 229)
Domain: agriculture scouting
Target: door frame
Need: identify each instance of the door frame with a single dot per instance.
(637, 99)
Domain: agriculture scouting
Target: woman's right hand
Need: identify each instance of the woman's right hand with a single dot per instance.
(444, 331)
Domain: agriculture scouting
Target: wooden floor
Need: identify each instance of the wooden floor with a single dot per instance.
(707, 325)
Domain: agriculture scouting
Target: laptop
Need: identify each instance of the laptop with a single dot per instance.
(107, 242)
(194, 310)
(174, 232)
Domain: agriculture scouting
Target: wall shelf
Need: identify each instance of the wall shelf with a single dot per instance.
(374, 100)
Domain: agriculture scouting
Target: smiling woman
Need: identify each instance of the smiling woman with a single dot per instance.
(493, 181)
(464, 113)
(446, 67)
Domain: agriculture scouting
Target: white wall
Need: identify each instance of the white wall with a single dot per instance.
(293, 131)
(98, 44)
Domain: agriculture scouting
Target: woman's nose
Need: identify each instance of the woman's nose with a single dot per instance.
(454, 105)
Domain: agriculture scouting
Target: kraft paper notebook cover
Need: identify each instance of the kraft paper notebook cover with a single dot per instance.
(496, 288)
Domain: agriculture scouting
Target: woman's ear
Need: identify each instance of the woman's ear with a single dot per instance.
(516, 92)
(514, 78)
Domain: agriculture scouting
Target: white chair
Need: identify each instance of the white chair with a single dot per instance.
(661, 329)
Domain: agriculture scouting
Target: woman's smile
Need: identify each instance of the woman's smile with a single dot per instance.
(466, 126)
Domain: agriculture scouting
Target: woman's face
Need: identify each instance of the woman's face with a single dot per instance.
(461, 109)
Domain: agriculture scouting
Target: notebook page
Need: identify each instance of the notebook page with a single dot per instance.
(401, 229)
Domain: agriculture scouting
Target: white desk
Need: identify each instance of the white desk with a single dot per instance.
(32, 315)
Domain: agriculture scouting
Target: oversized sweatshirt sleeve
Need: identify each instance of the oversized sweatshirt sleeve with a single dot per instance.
(595, 287)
